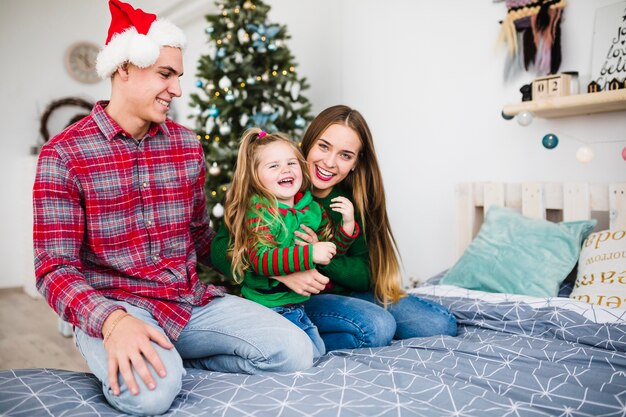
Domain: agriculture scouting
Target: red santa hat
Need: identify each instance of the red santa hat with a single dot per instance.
(136, 37)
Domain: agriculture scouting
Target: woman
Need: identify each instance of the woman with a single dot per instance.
(364, 306)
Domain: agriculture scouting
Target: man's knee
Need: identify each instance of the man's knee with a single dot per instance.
(150, 402)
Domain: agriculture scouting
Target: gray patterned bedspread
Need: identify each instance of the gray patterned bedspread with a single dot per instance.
(514, 356)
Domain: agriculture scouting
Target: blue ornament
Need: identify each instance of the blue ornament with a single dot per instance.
(209, 30)
(550, 141)
(214, 111)
(221, 53)
(300, 122)
(199, 83)
(272, 47)
(230, 97)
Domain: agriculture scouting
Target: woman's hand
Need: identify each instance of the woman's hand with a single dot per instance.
(346, 208)
(307, 237)
(129, 346)
(305, 282)
(323, 252)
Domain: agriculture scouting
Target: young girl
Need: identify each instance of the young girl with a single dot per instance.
(269, 199)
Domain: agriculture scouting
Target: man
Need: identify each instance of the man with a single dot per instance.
(119, 223)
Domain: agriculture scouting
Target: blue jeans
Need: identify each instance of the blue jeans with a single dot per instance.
(297, 316)
(230, 334)
(348, 322)
(416, 317)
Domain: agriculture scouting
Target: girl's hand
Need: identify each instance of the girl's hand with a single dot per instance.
(323, 252)
(305, 282)
(307, 237)
(344, 206)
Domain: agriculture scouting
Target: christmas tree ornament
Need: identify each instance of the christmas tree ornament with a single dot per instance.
(524, 118)
(225, 129)
(209, 30)
(230, 97)
(550, 141)
(221, 53)
(199, 83)
(224, 83)
(531, 32)
(295, 91)
(584, 154)
(218, 211)
(300, 122)
(248, 5)
(209, 125)
(214, 111)
(214, 169)
(243, 120)
(243, 36)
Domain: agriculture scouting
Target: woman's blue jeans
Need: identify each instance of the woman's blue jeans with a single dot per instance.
(348, 322)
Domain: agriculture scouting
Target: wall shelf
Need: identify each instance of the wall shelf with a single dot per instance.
(553, 107)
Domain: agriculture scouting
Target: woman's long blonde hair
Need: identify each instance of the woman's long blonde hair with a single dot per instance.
(245, 184)
(365, 184)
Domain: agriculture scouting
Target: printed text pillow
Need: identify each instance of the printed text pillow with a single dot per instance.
(601, 275)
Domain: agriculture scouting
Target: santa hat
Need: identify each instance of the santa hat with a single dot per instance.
(136, 37)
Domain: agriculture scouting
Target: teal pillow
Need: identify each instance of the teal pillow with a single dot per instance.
(518, 255)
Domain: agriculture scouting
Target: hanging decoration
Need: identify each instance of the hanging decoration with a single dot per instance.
(531, 32)
(550, 141)
(585, 152)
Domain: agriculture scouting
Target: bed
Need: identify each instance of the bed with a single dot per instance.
(515, 355)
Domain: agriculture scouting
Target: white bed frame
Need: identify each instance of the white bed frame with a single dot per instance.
(552, 201)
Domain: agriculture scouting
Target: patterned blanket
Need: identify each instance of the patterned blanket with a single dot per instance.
(514, 356)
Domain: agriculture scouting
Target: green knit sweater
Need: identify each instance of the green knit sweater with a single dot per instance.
(277, 253)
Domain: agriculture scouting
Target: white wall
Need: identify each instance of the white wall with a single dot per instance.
(424, 74)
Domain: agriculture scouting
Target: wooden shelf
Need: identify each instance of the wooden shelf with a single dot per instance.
(601, 102)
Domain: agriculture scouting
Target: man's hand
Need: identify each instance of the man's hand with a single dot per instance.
(305, 282)
(129, 345)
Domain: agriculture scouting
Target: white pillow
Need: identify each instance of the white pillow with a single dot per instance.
(601, 275)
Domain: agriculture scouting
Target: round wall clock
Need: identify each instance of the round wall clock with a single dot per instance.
(80, 61)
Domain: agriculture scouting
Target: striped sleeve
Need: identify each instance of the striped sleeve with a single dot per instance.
(267, 259)
(342, 240)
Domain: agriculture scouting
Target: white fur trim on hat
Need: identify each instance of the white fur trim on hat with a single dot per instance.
(139, 50)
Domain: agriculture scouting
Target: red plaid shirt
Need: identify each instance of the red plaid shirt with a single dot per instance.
(121, 219)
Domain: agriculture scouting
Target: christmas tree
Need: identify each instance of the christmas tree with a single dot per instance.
(247, 79)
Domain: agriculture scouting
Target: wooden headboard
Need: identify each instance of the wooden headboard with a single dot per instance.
(551, 201)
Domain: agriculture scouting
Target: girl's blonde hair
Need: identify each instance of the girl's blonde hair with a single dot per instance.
(245, 184)
(365, 183)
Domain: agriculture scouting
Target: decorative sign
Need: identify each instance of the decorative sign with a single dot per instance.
(608, 60)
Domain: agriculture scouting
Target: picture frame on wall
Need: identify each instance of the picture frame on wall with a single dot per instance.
(608, 57)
